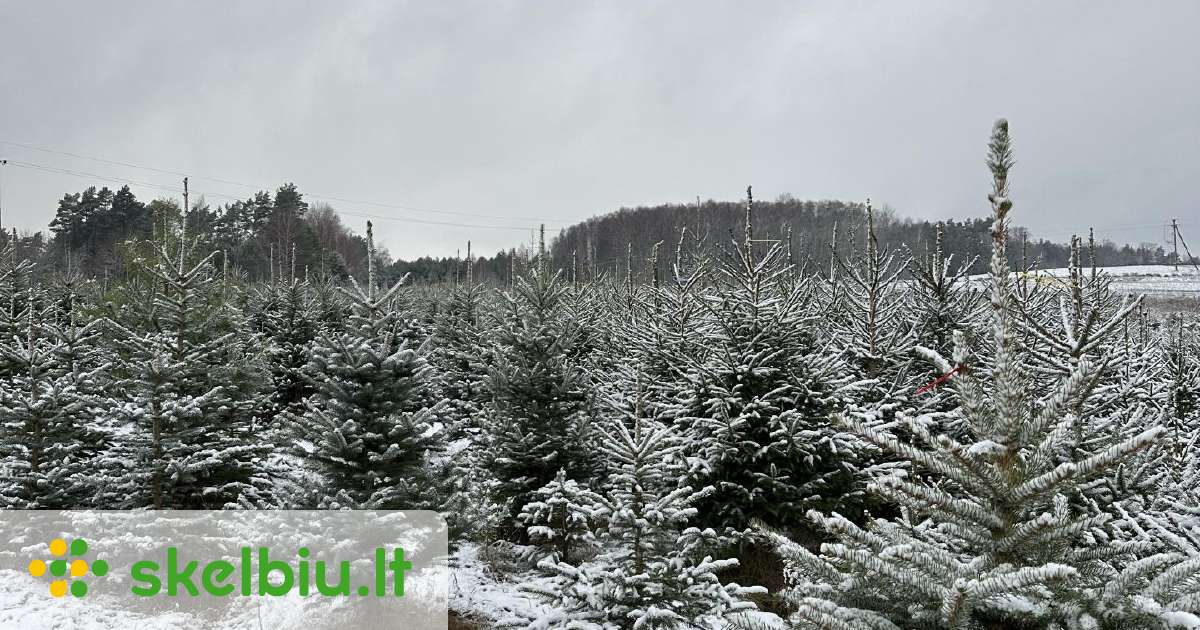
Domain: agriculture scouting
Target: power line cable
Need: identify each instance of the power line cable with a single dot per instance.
(106, 178)
(1101, 230)
(383, 217)
(117, 180)
(256, 187)
(1106, 229)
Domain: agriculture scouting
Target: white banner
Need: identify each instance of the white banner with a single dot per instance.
(222, 569)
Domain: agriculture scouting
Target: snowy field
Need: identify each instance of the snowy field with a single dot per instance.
(1156, 281)
(1153, 280)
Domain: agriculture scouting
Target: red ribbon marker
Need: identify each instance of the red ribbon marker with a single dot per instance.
(930, 386)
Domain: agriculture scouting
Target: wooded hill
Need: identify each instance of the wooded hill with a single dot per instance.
(96, 229)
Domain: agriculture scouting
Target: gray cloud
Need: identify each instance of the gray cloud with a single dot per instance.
(564, 110)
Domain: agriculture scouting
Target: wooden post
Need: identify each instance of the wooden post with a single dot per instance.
(1175, 242)
(2, 163)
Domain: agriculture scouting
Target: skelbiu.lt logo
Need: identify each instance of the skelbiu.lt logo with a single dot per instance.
(224, 577)
(67, 566)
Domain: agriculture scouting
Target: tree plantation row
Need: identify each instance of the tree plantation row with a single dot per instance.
(920, 449)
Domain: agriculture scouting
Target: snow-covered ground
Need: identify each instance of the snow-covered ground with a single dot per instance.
(494, 599)
(1152, 280)
(25, 604)
(486, 596)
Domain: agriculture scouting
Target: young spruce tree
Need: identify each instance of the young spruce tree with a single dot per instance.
(191, 386)
(51, 433)
(371, 421)
(539, 423)
(655, 572)
(989, 539)
(755, 413)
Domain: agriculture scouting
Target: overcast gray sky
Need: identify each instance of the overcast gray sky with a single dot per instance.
(562, 110)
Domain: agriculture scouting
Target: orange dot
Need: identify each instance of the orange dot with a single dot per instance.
(58, 588)
(58, 547)
(37, 568)
(78, 568)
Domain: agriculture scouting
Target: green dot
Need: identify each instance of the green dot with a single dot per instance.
(363, 591)
(58, 568)
(99, 568)
(79, 589)
(78, 547)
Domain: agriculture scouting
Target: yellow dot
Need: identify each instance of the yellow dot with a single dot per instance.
(58, 547)
(78, 568)
(58, 588)
(37, 568)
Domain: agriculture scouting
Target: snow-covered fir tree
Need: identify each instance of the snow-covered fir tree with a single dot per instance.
(663, 338)
(941, 300)
(755, 412)
(81, 345)
(561, 519)
(870, 317)
(461, 357)
(16, 294)
(373, 417)
(1181, 360)
(1065, 321)
(50, 440)
(191, 385)
(991, 540)
(329, 302)
(942, 297)
(461, 349)
(285, 315)
(539, 422)
(655, 571)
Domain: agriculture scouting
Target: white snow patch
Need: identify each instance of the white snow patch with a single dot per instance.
(477, 591)
(1180, 619)
(985, 447)
(1153, 280)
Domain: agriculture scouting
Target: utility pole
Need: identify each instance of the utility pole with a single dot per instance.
(1178, 236)
(183, 226)
(2, 163)
(1175, 241)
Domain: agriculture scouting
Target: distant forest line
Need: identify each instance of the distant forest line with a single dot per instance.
(267, 234)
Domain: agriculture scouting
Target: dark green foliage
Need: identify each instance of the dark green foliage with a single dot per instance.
(755, 412)
(193, 385)
(285, 315)
(50, 439)
(539, 422)
(369, 424)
